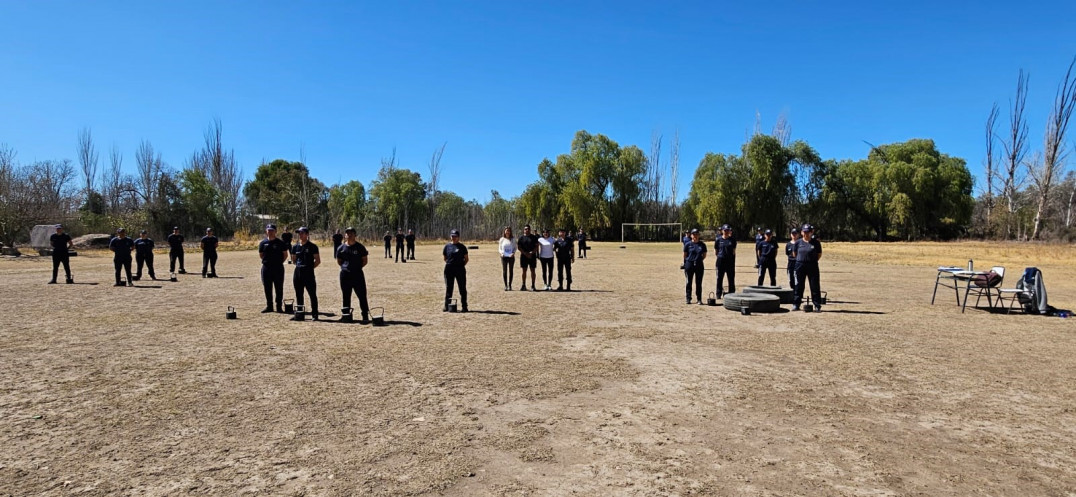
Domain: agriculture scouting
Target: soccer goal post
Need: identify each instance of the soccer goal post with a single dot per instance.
(650, 232)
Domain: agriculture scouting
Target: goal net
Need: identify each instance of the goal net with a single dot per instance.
(650, 232)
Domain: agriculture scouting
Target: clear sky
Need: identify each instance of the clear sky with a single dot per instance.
(508, 83)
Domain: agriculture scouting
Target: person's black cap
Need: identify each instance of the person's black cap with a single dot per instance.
(58, 226)
(303, 229)
(795, 231)
(208, 230)
(526, 226)
(270, 227)
(349, 230)
(768, 232)
(121, 230)
(175, 228)
(454, 233)
(806, 227)
(694, 231)
(725, 227)
(143, 232)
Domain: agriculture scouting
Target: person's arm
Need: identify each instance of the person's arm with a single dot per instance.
(291, 253)
(317, 259)
(340, 260)
(466, 258)
(365, 259)
(131, 248)
(702, 254)
(70, 244)
(261, 253)
(818, 255)
(284, 256)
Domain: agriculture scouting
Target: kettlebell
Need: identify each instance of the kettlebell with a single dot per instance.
(807, 308)
(300, 313)
(712, 299)
(379, 319)
(346, 315)
(822, 299)
(231, 313)
(288, 307)
(452, 307)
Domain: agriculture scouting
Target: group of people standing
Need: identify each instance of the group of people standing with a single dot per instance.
(402, 240)
(533, 249)
(803, 252)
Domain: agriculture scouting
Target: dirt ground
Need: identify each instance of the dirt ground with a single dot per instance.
(617, 388)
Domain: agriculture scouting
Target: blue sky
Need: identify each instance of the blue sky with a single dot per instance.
(508, 83)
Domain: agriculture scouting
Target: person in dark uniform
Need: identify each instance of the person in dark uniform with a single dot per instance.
(209, 254)
(175, 251)
(725, 250)
(808, 251)
(61, 245)
(352, 257)
(388, 245)
(759, 238)
(305, 256)
(410, 238)
(456, 259)
(767, 258)
(790, 251)
(122, 246)
(582, 239)
(144, 255)
(565, 257)
(400, 245)
(286, 237)
(528, 256)
(694, 255)
(337, 240)
(273, 251)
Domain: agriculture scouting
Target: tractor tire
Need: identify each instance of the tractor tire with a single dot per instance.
(785, 294)
(754, 302)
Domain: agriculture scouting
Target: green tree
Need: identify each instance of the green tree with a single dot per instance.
(398, 196)
(286, 190)
(347, 203)
(201, 200)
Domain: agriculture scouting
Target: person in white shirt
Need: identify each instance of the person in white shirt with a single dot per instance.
(545, 257)
(507, 249)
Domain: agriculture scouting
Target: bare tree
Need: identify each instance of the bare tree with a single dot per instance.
(304, 193)
(113, 187)
(674, 167)
(150, 170)
(1054, 152)
(222, 170)
(990, 165)
(87, 158)
(1015, 151)
(1070, 181)
(782, 129)
(435, 167)
(389, 163)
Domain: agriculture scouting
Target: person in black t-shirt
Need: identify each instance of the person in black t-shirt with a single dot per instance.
(144, 255)
(694, 255)
(286, 237)
(808, 250)
(61, 246)
(400, 245)
(273, 251)
(410, 244)
(175, 251)
(352, 256)
(456, 259)
(790, 251)
(767, 258)
(122, 246)
(388, 245)
(337, 240)
(582, 239)
(209, 254)
(528, 256)
(305, 256)
(725, 252)
(565, 251)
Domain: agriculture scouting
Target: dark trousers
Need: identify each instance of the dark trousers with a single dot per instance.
(273, 277)
(547, 270)
(124, 263)
(400, 252)
(148, 261)
(726, 267)
(388, 251)
(582, 249)
(172, 256)
(765, 265)
(355, 282)
(792, 274)
(694, 273)
(807, 271)
(564, 266)
(209, 260)
(411, 251)
(453, 275)
(303, 279)
(508, 270)
(62, 258)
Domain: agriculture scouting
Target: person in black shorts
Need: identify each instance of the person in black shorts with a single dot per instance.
(410, 238)
(286, 237)
(122, 246)
(388, 245)
(400, 245)
(352, 256)
(456, 259)
(582, 239)
(767, 258)
(305, 256)
(725, 250)
(144, 255)
(565, 253)
(337, 240)
(209, 254)
(61, 245)
(528, 256)
(273, 251)
(175, 251)
(694, 255)
(790, 251)
(808, 251)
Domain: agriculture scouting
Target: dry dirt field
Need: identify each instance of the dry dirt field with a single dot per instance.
(615, 389)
